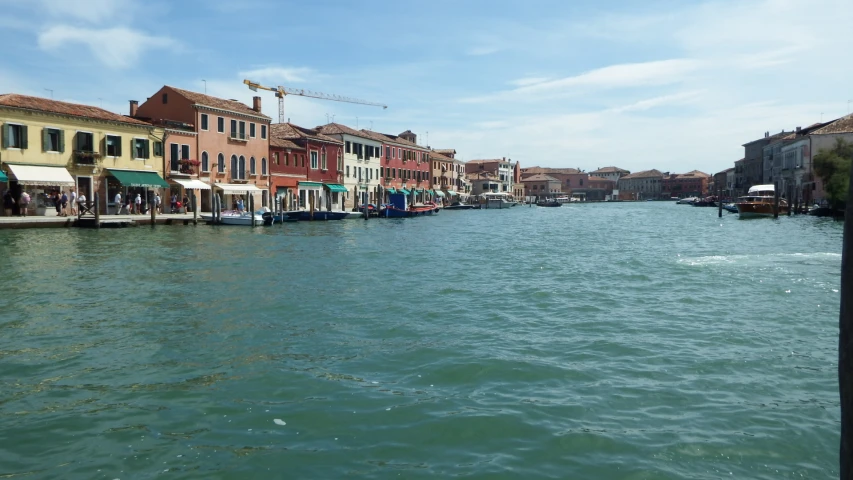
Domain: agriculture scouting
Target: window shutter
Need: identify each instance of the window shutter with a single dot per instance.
(118, 146)
(61, 141)
(24, 137)
(44, 136)
(76, 142)
(145, 152)
(104, 146)
(5, 135)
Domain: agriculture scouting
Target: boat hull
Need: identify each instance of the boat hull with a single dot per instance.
(245, 220)
(754, 210)
(319, 215)
(392, 212)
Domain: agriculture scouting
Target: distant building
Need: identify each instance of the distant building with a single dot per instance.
(610, 173)
(690, 184)
(641, 185)
(571, 179)
(754, 159)
(501, 168)
(361, 163)
(484, 182)
(809, 186)
(541, 185)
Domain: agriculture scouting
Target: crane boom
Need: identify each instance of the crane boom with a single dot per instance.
(281, 92)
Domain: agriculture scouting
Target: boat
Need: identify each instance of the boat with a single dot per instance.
(706, 202)
(548, 203)
(233, 217)
(397, 208)
(498, 200)
(687, 201)
(730, 207)
(760, 201)
(563, 199)
(307, 215)
(459, 206)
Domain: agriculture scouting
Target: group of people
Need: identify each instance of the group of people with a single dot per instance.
(10, 202)
(65, 202)
(136, 205)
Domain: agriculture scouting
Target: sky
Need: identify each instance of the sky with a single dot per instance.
(671, 85)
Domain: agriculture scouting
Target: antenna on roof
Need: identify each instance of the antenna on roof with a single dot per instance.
(205, 85)
(51, 94)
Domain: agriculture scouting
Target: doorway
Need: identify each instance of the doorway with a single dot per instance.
(84, 187)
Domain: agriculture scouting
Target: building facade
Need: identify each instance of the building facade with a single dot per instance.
(541, 185)
(361, 164)
(610, 173)
(502, 169)
(50, 146)
(641, 185)
(681, 185)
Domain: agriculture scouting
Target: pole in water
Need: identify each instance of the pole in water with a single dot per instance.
(252, 210)
(776, 203)
(97, 211)
(719, 203)
(195, 209)
(845, 340)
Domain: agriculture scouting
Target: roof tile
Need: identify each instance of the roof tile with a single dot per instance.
(216, 102)
(14, 100)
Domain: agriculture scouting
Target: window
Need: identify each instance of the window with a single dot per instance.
(252, 130)
(158, 149)
(323, 159)
(165, 98)
(113, 145)
(140, 148)
(394, 173)
(275, 158)
(234, 171)
(387, 153)
(233, 128)
(340, 161)
(581, 182)
(303, 161)
(185, 152)
(263, 131)
(348, 147)
(241, 168)
(263, 166)
(204, 121)
(287, 160)
(205, 162)
(359, 174)
(220, 163)
(242, 130)
(54, 140)
(369, 151)
(313, 159)
(220, 125)
(347, 171)
(174, 152)
(252, 170)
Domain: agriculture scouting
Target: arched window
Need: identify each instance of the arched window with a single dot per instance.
(235, 172)
(340, 161)
(242, 168)
(263, 166)
(205, 166)
(252, 170)
(220, 163)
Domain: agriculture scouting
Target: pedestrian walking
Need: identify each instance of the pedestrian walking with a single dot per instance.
(117, 201)
(8, 203)
(157, 203)
(63, 201)
(57, 202)
(81, 202)
(137, 207)
(24, 203)
(73, 202)
(186, 203)
(174, 204)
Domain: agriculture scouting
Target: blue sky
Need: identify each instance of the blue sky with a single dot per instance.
(672, 85)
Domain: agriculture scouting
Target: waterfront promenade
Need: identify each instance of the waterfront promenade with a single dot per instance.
(64, 222)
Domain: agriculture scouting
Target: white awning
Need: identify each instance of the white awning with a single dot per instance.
(237, 188)
(38, 175)
(191, 184)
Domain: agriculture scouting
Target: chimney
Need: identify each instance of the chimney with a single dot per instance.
(256, 104)
(134, 105)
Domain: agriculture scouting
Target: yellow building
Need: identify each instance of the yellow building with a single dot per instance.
(49, 146)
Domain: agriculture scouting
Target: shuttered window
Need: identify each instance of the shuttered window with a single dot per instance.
(53, 140)
(112, 144)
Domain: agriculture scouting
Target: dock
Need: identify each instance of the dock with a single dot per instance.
(104, 221)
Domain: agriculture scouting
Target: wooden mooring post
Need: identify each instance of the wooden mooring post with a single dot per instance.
(152, 209)
(719, 203)
(195, 209)
(252, 210)
(776, 202)
(845, 341)
(97, 211)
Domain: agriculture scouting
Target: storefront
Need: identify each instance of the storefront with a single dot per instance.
(231, 192)
(40, 182)
(186, 188)
(129, 184)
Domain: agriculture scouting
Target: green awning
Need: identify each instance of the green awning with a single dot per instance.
(391, 190)
(419, 190)
(130, 178)
(430, 192)
(404, 191)
(439, 193)
(312, 184)
(3, 177)
(335, 187)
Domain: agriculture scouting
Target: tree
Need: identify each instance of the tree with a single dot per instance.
(845, 339)
(833, 167)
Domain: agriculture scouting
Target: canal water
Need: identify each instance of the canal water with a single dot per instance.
(646, 340)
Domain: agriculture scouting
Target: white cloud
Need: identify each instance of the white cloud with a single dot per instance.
(92, 11)
(523, 82)
(278, 75)
(681, 98)
(118, 47)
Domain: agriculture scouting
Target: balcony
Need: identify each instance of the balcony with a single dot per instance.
(239, 136)
(84, 157)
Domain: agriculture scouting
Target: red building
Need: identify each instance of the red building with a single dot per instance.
(691, 184)
(405, 164)
(303, 156)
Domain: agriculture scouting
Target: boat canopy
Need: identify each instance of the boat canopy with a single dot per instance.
(762, 188)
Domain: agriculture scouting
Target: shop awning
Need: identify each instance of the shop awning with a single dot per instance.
(452, 193)
(3, 177)
(40, 175)
(192, 184)
(237, 188)
(312, 185)
(439, 193)
(336, 187)
(391, 190)
(131, 178)
(429, 191)
(418, 190)
(404, 191)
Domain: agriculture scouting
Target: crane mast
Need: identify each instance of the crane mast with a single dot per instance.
(281, 92)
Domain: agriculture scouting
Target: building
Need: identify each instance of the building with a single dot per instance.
(740, 178)
(448, 175)
(517, 187)
(723, 181)
(405, 165)
(610, 173)
(483, 182)
(599, 188)
(212, 142)
(572, 180)
(48, 145)
(754, 159)
(501, 168)
(641, 185)
(541, 185)
(361, 164)
(690, 184)
(313, 166)
(809, 186)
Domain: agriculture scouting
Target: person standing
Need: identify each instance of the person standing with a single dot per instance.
(81, 201)
(186, 203)
(137, 207)
(157, 203)
(73, 202)
(240, 205)
(24, 203)
(117, 201)
(174, 205)
(8, 203)
(63, 201)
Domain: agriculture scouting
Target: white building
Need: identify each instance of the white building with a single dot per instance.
(362, 156)
(610, 173)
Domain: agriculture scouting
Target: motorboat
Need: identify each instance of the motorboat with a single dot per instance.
(548, 203)
(234, 217)
(760, 201)
(687, 201)
(397, 208)
(498, 200)
(307, 215)
(458, 206)
(730, 207)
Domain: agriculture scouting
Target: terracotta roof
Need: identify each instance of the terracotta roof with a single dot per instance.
(534, 170)
(13, 100)
(435, 155)
(644, 174)
(282, 143)
(539, 177)
(338, 129)
(693, 173)
(445, 151)
(215, 102)
(495, 160)
(842, 125)
(387, 137)
(611, 170)
(771, 138)
(290, 131)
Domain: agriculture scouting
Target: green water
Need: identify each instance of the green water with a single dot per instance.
(646, 340)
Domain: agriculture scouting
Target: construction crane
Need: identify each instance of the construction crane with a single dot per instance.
(280, 92)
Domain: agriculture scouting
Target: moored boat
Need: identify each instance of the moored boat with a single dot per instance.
(231, 217)
(730, 207)
(548, 203)
(458, 206)
(307, 215)
(687, 201)
(397, 208)
(760, 201)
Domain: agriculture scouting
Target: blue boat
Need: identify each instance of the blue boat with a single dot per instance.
(305, 215)
(396, 208)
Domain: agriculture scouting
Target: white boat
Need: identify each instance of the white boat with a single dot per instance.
(498, 200)
(760, 201)
(563, 199)
(232, 217)
(687, 201)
